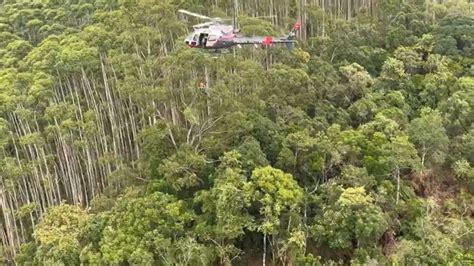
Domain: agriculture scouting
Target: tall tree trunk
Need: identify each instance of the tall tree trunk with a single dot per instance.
(397, 172)
(264, 249)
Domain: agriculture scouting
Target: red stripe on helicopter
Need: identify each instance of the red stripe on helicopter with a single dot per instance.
(267, 40)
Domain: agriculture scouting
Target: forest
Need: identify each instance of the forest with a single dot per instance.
(356, 147)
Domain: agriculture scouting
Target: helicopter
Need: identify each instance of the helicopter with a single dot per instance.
(216, 35)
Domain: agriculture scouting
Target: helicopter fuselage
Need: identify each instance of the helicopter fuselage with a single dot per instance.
(213, 37)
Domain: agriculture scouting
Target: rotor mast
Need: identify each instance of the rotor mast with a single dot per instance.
(235, 13)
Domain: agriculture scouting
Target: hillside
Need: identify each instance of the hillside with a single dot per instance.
(120, 145)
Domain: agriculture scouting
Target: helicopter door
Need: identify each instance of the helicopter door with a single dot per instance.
(203, 39)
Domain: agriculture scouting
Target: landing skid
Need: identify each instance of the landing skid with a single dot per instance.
(218, 51)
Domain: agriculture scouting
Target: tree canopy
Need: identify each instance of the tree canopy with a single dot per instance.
(119, 145)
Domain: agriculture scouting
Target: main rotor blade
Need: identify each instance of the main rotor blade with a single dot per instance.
(229, 19)
(205, 24)
(194, 14)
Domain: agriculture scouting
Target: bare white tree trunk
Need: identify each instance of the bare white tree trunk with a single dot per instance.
(397, 172)
(264, 249)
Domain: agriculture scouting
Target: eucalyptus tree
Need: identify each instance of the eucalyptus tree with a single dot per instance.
(428, 134)
(350, 221)
(99, 97)
(225, 207)
(279, 197)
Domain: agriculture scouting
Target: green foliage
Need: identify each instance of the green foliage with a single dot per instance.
(277, 192)
(352, 221)
(183, 169)
(252, 155)
(142, 228)
(428, 133)
(357, 147)
(225, 207)
(279, 197)
(455, 35)
(58, 236)
(401, 154)
(433, 247)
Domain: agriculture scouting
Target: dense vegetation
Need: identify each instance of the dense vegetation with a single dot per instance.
(357, 147)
